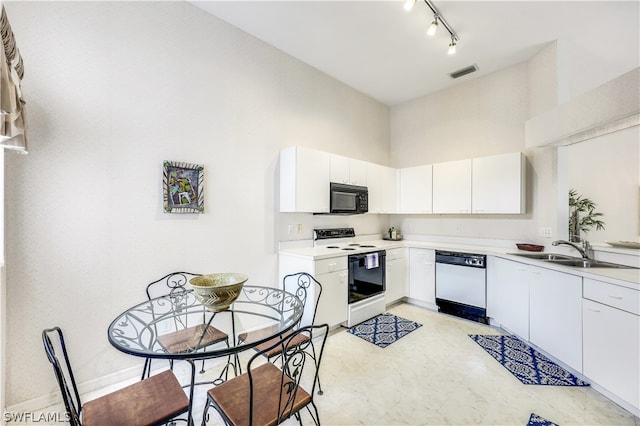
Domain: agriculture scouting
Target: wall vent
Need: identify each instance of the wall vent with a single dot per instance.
(464, 71)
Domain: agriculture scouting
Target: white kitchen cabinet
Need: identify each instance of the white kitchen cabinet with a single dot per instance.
(304, 180)
(382, 182)
(396, 276)
(416, 189)
(508, 295)
(332, 273)
(452, 187)
(539, 305)
(611, 339)
(555, 314)
(422, 276)
(348, 170)
(498, 184)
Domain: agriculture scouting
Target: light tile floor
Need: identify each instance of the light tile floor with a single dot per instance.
(436, 375)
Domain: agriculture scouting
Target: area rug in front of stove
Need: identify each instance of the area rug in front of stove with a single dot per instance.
(525, 363)
(384, 329)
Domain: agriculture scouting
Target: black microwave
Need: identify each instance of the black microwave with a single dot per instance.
(348, 199)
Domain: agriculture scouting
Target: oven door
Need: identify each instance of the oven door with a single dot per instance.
(366, 275)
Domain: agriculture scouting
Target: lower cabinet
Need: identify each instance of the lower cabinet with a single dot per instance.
(540, 305)
(611, 327)
(396, 278)
(422, 275)
(332, 273)
(555, 314)
(508, 295)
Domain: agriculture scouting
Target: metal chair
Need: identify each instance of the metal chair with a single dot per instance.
(300, 284)
(268, 395)
(185, 337)
(155, 400)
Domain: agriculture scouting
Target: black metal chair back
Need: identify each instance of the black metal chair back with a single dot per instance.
(303, 284)
(57, 354)
(274, 394)
(172, 283)
(294, 361)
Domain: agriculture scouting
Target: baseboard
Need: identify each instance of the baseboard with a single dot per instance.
(98, 385)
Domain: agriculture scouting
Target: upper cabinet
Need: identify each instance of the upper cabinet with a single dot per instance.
(498, 184)
(304, 180)
(452, 187)
(487, 185)
(382, 182)
(416, 189)
(348, 170)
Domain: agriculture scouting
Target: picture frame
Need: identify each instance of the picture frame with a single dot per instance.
(183, 187)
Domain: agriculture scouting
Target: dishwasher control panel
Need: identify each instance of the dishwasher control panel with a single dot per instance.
(462, 259)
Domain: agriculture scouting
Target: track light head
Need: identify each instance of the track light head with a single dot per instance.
(452, 46)
(433, 27)
(408, 4)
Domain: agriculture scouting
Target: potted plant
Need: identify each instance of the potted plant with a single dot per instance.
(582, 216)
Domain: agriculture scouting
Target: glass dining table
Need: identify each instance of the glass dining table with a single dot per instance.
(178, 327)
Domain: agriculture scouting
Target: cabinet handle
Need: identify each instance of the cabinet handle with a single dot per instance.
(616, 297)
(594, 310)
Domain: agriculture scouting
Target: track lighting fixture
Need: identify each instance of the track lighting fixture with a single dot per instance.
(452, 46)
(437, 19)
(433, 27)
(408, 5)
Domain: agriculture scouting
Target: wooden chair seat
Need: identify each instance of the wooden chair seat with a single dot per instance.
(151, 401)
(232, 397)
(191, 338)
(277, 350)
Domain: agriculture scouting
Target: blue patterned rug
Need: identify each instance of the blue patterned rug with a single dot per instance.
(384, 329)
(528, 365)
(536, 420)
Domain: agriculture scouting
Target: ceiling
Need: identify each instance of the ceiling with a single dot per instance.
(382, 50)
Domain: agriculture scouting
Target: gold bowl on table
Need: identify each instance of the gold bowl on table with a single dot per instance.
(218, 291)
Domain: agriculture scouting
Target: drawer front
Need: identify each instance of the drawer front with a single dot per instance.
(332, 264)
(623, 298)
(397, 253)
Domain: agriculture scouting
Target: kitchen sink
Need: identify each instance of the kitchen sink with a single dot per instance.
(577, 262)
(584, 263)
(544, 256)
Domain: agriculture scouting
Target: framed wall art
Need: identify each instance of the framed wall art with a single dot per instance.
(183, 187)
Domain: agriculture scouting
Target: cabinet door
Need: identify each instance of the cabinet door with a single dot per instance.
(332, 308)
(339, 168)
(422, 275)
(612, 350)
(508, 295)
(555, 307)
(396, 276)
(452, 187)
(304, 180)
(498, 184)
(348, 170)
(416, 189)
(357, 172)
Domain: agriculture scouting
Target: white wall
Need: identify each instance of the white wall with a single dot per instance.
(113, 89)
(484, 116)
(607, 171)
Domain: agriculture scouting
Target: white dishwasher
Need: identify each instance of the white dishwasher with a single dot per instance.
(461, 288)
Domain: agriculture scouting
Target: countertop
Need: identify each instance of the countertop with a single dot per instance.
(624, 277)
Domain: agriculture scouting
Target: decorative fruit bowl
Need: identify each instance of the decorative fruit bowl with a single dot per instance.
(218, 291)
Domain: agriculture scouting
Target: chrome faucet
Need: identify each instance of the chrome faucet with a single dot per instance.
(585, 250)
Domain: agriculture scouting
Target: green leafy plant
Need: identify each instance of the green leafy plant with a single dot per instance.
(582, 215)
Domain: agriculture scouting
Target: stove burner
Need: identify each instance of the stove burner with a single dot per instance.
(333, 247)
(367, 245)
(354, 244)
(348, 248)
